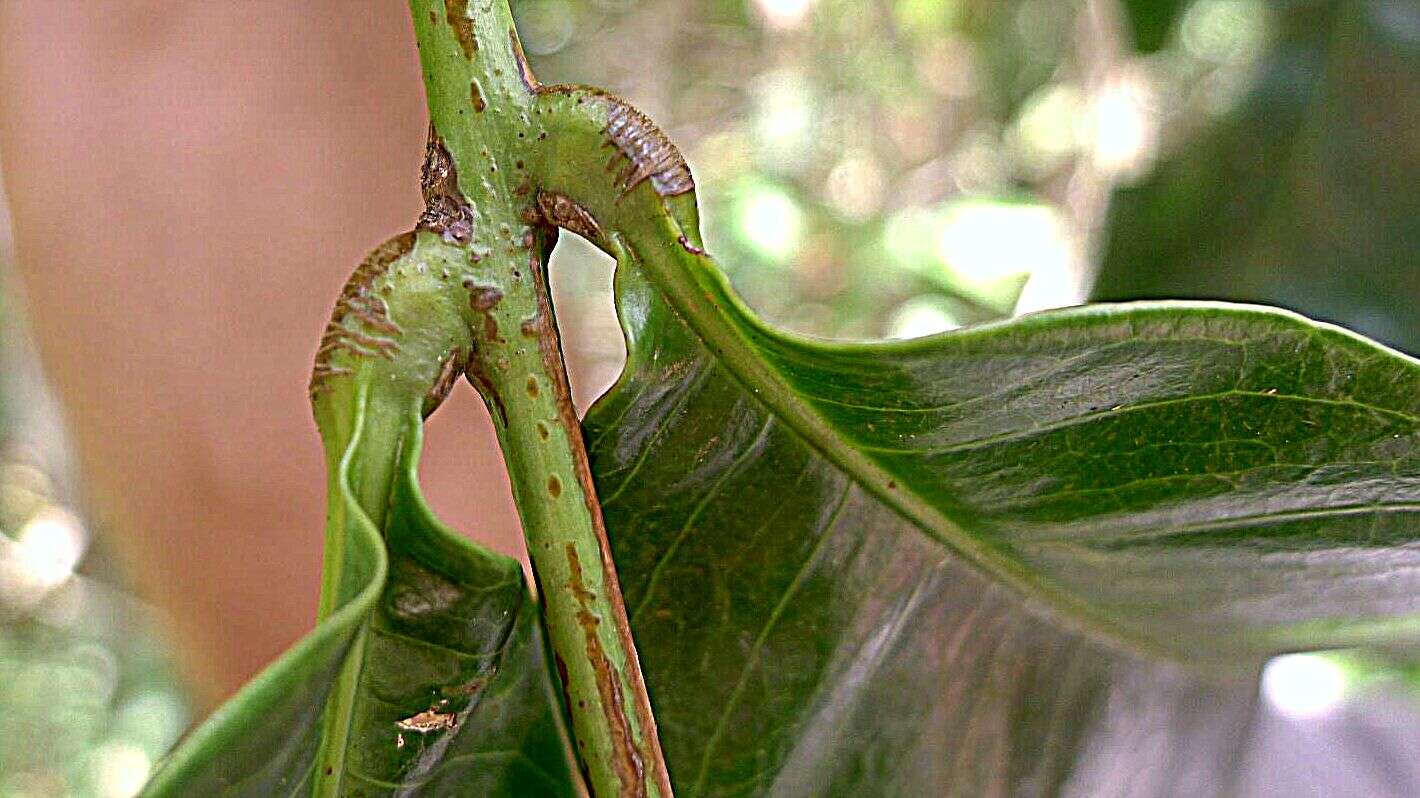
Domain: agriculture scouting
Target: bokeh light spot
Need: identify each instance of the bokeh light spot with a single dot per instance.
(784, 14)
(1224, 30)
(1301, 686)
(42, 556)
(546, 26)
(982, 242)
(921, 316)
(120, 770)
(769, 221)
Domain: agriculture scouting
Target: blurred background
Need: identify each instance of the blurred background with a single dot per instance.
(190, 184)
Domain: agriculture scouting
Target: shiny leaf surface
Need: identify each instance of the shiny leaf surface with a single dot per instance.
(1134, 487)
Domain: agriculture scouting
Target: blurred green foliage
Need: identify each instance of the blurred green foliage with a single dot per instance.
(856, 159)
(89, 697)
(1306, 194)
(1151, 22)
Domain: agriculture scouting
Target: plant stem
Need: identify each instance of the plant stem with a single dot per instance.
(480, 192)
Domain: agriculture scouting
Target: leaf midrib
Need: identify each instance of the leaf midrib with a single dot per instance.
(723, 338)
(726, 330)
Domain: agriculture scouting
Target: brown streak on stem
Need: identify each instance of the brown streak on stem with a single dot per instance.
(487, 389)
(562, 211)
(628, 763)
(544, 328)
(456, 11)
(524, 69)
(449, 372)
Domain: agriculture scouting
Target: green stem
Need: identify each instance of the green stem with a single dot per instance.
(485, 150)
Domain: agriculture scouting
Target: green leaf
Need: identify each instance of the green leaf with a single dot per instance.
(1028, 558)
(1303, 194)
(429, 675)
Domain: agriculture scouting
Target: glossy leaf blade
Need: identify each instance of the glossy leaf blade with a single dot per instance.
(1200, 483)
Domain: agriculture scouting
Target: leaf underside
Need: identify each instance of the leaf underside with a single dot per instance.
(455, 696)
(1180, 485)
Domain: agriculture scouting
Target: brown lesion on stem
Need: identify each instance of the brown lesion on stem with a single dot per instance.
(630, 766)
(360, 325)
(456, 12)
(689, 247)
(630, 759)
(643, 151)
(524, 69)
(482, 298)
(449, 371)
(446, 211)
(562, 211)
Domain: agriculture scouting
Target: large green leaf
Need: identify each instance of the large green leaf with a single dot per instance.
(453, 691)
(1037, 558)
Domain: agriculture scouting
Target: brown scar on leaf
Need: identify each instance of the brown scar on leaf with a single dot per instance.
(562, 211)
(456, 11)
(428, 721)
(360, 325)
(446, 212)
